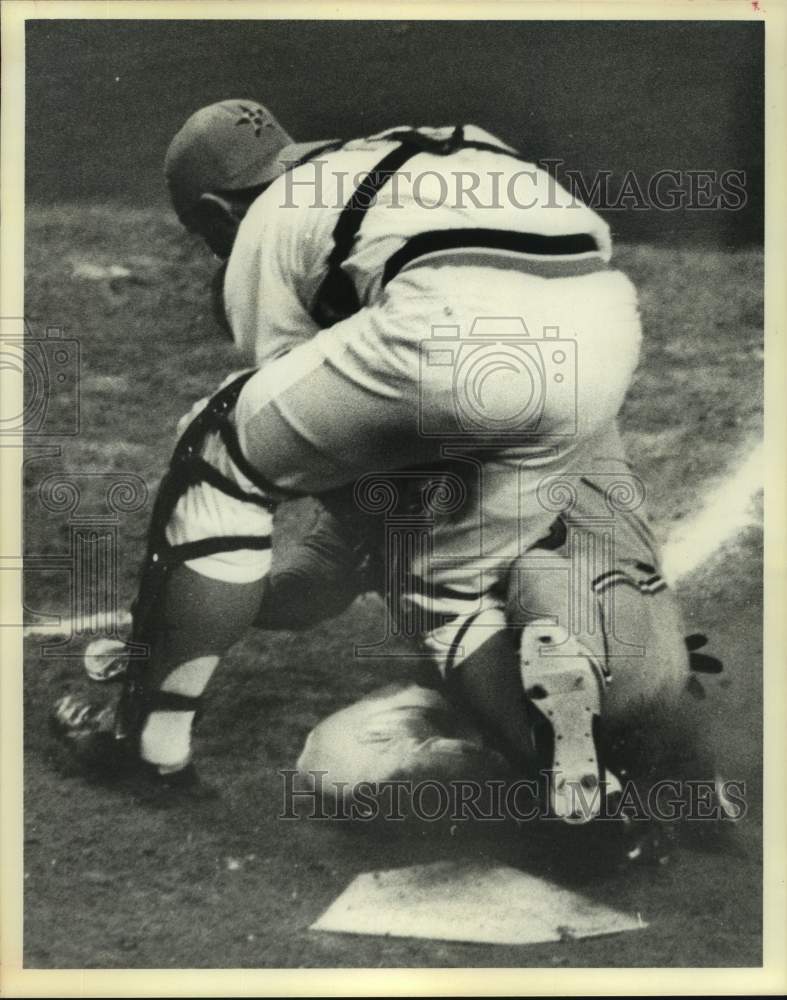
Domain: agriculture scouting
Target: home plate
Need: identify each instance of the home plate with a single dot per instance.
(469, 901)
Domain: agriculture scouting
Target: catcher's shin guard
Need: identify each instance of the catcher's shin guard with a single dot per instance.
(187, 468)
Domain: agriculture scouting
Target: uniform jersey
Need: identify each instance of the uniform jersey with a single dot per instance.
(363, 396)
(283, 244)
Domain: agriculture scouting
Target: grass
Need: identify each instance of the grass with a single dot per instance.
(109, 884)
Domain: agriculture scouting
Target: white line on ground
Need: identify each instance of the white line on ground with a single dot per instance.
(725, 513)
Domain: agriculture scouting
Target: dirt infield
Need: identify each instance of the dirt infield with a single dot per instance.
(111, 883)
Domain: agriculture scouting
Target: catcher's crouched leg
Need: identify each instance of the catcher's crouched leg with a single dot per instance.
(208, 554)
(208, 576)
(611, 680)
(403, 751)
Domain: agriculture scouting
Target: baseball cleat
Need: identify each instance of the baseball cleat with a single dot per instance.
(88, 732)
(566, 688)
(86, 728)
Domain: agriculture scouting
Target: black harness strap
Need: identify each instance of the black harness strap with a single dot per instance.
(220, 404)
(168, 701)
(229, 437)
(328, 147)
(186, 551)
(444, 147)
(197, 470)
(187, 468)
(337, 297)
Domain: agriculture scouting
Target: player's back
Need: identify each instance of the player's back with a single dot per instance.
(286, 241)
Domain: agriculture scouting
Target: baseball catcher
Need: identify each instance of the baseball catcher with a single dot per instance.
(433, 327)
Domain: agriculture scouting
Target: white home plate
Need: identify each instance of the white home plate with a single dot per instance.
(468, 901)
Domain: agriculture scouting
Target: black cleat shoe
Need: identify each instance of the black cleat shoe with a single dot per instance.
(87, 732)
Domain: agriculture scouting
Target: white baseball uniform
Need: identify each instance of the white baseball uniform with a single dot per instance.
(515, 348)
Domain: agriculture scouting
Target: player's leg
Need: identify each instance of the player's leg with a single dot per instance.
(506, 675)
(184, 650)
(488, 679)
(594, 607)
(313, 578)
(474, 652)
(316, 578)
(322, 563)
(574, 647)
(585, 332)
(207, 558)
(207, 575)
(463, 583)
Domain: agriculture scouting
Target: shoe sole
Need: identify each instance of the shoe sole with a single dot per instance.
(566, 689)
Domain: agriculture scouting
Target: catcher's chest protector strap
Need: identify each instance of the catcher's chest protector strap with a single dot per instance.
(337, 297)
